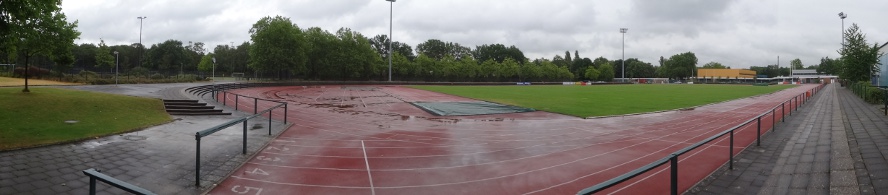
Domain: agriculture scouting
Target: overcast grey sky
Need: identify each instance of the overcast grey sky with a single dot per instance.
(737, 33)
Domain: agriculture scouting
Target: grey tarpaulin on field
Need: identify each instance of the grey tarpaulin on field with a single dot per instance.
(468, 108)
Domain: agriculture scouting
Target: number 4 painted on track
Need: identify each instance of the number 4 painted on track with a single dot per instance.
(279, 149)
(257, 171)
(263, 158)
(246, 189)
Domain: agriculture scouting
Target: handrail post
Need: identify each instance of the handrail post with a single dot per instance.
(197, 161)
(269, 121)
(673, 176)
(285, 112)
(245, 137)
(92, 185)
(731, 155)
(758, 136)
(783, 112)
(235, 101)
(255, 105)
(774, 119)
(224, 98)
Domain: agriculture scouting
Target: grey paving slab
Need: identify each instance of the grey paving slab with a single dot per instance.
(160, 159)
(847, 138)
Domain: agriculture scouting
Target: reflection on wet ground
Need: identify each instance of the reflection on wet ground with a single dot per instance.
(370, 139)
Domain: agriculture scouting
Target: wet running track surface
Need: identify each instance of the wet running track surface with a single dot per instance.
(370, 140)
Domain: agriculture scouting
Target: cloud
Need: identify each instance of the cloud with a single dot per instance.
(736, 33)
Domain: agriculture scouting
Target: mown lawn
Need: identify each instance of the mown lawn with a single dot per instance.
(38, 117)
(605, 100)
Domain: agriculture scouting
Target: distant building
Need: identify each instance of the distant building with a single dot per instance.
(725, 73)
(802, 76)
(883, 67)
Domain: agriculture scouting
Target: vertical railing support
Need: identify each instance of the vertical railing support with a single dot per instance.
(783, 112)
(197, 161)
(774, 119)
(245, 137)
(285, 112)
(269, 121)
(673, 177)
(235, 101)
(758, 136)
(92, 185)
(255, 105)
(731, 155)
(224, 98)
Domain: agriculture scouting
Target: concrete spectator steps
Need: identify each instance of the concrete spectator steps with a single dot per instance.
(191, 107)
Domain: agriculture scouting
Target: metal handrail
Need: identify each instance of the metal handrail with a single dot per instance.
(673, 158)
(206, 132)
(96, 175)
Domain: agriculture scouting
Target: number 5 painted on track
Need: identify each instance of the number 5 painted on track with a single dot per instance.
(246, 189)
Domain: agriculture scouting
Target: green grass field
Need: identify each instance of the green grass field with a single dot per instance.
(38, 118)
(605, 100)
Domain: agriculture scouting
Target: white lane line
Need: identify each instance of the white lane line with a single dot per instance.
(366, 162)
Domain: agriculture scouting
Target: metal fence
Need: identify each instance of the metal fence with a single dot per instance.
(672, 159)
(243, 120)
(96, 175)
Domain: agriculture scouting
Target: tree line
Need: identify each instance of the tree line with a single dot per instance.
(280, 49)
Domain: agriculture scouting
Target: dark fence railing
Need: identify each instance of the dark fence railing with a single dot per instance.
(243, 120)
(672, 159)
(96, 175)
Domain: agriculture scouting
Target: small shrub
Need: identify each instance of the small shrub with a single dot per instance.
(157, 76)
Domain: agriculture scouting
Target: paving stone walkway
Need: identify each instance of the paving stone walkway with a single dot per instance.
(832, 145)
(160, 159)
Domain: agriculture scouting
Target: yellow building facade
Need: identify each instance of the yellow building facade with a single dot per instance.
(725, 73)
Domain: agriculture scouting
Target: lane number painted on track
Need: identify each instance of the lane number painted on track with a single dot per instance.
(263, 158)
(246, 189)
(257, 171)
(278, 149)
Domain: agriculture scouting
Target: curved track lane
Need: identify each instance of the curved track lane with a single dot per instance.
(370, 140)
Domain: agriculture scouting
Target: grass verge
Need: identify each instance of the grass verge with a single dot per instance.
(38, 118)
(606, 100)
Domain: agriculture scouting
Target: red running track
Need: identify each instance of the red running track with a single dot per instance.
(370, 140)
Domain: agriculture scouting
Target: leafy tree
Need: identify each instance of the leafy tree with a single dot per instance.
(560, 61)
(607, 72)
(829, 66)
(498, 53)
(579, 66)
(592, 73)
(859, 60)
(34, 28)
(796, 64)
(206, 63)
(680, 65)
(278, 45)
(567, 56)
(169, 56)
(599, 61)
(714, 65)
(638, 69)
(576, 54)
(104, 59)
(437, 49)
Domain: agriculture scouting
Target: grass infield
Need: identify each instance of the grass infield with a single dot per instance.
(38, 118)
(605, 100)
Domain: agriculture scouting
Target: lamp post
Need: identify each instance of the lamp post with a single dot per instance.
(116, 67)
(842, 16)
(214, 77)
(391, 8)
(141, 18)
(623, 77)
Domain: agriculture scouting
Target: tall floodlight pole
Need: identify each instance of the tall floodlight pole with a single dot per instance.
(623, 77)
(214, 77)
(842, 16)
(141, 18)
(391, 15)
(116, 67)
